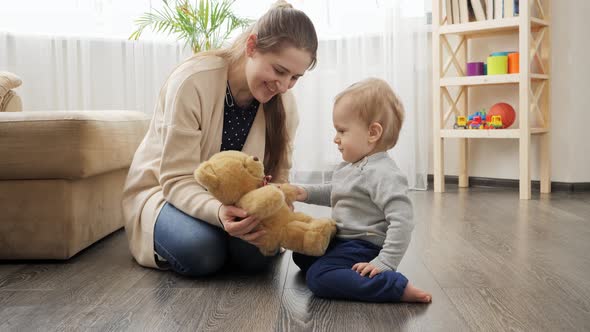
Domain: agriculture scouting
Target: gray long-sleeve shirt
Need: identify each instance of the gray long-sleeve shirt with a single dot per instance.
(369, 202)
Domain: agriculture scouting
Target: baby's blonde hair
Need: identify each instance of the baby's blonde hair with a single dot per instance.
(374, 101)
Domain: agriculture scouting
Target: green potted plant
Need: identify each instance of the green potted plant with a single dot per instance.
(204, 25)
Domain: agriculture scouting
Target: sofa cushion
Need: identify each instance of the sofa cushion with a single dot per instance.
(68, 144)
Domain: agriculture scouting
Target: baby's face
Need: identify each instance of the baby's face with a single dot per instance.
(352, 134)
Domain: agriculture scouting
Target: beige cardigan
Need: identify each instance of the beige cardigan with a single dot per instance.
(186, 129)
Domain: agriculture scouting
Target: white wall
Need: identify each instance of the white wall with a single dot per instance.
(570, 104)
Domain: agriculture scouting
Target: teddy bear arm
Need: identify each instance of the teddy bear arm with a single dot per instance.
(262, 202)
(290, 192)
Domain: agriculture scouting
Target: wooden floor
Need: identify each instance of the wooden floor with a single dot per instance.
(492, 262)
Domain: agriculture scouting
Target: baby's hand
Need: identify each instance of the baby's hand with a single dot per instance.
(301, 194)
(364, 268)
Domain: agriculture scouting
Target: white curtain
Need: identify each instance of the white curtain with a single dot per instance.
(365, 39)
(88, 73)
(94, 67)
(380, 38)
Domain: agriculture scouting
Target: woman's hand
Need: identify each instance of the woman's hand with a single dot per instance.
(301, 194)
(364, 268)
(237, 223)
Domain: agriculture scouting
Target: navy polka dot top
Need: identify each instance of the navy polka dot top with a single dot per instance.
(237, 122)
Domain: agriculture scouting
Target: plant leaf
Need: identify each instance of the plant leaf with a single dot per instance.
(204, 25)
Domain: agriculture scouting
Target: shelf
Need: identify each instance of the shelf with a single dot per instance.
(480, 80)
(489, 26)
(487, 79)
(539, 77)
(453, 45)
(487, 133)
(538, 23)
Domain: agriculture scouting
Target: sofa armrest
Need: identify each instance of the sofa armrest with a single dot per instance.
(9, 100)
(11, 103)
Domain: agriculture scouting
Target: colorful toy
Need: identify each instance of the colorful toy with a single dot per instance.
(501, 53)
(475, 68)
(494, 122)
(477, 120)
(505, 111)
(513, 63)
(460, 122)
(497, 65)
(481, 113)
(486, 120)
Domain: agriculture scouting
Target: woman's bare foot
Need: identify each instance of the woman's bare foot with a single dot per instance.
(413, 294)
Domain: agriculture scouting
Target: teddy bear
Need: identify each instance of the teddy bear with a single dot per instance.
(235, 178)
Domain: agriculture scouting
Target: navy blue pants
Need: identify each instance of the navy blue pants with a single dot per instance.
(331, 276)
(195, 248)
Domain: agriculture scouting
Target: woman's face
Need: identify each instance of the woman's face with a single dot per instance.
(271, 73)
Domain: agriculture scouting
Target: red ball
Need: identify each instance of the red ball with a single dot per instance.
(505, 111)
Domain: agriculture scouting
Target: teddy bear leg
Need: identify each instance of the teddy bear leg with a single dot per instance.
(269, 246)
(324, 226)
(309, 238)
(270, 249)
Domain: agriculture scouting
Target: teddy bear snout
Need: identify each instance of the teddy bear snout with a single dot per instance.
(255, 158)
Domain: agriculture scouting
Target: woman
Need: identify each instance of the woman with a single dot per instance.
(228, 99)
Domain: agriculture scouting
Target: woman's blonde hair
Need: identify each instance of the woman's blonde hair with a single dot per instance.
(281, 26)
(374, 101)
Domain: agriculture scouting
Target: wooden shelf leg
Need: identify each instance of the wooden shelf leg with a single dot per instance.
(545, 169)
(439, 174)
(524, 140)
(524, 165)
(464, 159)
(463, 142)
(438, 143)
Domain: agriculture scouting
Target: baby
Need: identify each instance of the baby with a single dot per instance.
(369, 201)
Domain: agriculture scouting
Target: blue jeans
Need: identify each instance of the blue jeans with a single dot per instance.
(331, 276)
(195, 248)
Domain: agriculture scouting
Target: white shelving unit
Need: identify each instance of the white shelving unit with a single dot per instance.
(533, 88)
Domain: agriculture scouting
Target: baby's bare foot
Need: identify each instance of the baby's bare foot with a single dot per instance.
(413, 294)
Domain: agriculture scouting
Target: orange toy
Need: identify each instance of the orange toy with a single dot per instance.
(505, 111)
(513, 63)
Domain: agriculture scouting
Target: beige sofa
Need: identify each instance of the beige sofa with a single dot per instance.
(61, 178)
(9, 100)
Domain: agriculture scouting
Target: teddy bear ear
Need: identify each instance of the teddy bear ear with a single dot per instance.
(206, 176)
